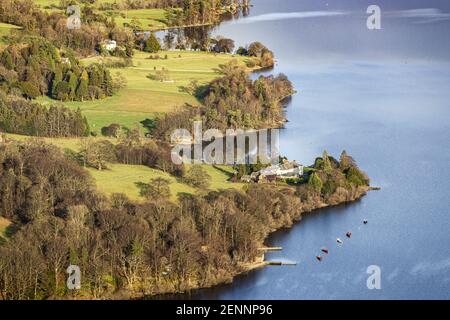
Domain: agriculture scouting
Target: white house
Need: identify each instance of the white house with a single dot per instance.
(109, 44)
(65, 60)
(284, 170)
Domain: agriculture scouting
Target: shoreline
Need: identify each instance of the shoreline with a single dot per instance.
(248, 267)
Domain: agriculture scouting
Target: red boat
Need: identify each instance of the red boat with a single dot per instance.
(348, 234)
(319, 258)
(325, 250)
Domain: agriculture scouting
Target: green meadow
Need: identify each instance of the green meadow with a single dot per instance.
(120, 178)
(148, 19)
(145, 97)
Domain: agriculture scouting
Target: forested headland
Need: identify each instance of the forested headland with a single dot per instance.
(232, 101)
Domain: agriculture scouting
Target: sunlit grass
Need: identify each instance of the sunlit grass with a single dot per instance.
(4, 224)
(121, 178)
(145, 97)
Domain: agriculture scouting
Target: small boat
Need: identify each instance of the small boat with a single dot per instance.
(365, 222)
(339, 241)
(348, 234)
(324, 250)
(319, 258)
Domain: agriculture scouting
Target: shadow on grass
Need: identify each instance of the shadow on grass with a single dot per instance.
(143, 188)
(228, 173)
(8, 233)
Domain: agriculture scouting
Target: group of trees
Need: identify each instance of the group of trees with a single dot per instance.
(95, 28)
(236, 101)
(38, 69)
(223, 45)
(131, 149)
(264, 57)
(197, 177)
(21, 116)
(332, 178)
(148, 44)
(232, 101)
(201, 12)
(52, 25)
(149, 247)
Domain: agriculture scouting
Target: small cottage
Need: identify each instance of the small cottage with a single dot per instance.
(284, 170)
(109, 45)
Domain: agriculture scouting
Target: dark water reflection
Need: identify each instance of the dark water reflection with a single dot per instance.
(384, 97)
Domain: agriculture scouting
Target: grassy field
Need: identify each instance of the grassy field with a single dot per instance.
(4, 224)
(5, 29)
(120, 178)
(149, 19)
(46, 3)
(62, 143)
(145, 97)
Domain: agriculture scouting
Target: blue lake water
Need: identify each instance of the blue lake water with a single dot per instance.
(384, 96)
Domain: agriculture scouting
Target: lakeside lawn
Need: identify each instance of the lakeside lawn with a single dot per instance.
(145, 97)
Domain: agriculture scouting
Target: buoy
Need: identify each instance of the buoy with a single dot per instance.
(339, 240)
(325, 250)
(348, 234)
(319, 258)
(365, 221)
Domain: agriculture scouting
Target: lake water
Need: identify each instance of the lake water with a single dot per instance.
(384, 96)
